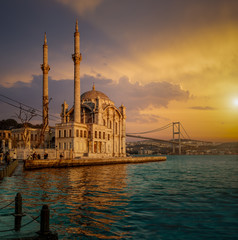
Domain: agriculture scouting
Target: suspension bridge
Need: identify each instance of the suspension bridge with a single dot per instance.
(178, 130)
(178, 134)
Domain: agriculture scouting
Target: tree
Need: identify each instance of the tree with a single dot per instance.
(45, 125)
(25, 116)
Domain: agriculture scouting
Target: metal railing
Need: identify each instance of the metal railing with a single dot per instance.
(44, 216)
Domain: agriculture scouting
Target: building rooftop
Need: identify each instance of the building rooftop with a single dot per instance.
(93, 94)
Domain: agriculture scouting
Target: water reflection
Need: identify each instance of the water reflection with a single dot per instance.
(85, 201)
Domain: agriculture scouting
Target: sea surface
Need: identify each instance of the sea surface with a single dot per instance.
(185, 197)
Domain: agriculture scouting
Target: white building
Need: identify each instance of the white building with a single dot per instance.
(93, 127)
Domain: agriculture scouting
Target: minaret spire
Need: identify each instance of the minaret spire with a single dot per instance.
(77, 58)
(76, 26)
(45, 40)
(45, 68)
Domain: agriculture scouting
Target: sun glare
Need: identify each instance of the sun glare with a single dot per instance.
(235, 102)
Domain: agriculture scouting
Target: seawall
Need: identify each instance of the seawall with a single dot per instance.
(37, 164)
(8, 170)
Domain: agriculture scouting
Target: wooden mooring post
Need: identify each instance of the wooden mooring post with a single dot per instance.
(18, 212)
(45, 220)
(45, 224)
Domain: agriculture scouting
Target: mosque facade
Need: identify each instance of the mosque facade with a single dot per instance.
(93, 126)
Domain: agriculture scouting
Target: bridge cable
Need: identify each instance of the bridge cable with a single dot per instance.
(185, 131)
(155, 130)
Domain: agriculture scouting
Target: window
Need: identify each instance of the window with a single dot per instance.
(65, 146)
(103, 135)
(65, 133)
(110, 126)
(108, 136)
(100, 135)
(70, 132)
(104, 122)
(31, 137)
(77, 133)
(59, 145)
(96, 134)
(59, 133)
(81, 133)
(85, 134)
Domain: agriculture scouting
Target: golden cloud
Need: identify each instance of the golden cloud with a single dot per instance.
(81, 6)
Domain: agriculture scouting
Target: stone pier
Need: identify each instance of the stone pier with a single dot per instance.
(37, 164)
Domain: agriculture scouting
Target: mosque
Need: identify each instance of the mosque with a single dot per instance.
(93, 126)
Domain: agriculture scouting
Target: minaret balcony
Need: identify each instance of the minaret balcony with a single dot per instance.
(77, 57)
(45, 68)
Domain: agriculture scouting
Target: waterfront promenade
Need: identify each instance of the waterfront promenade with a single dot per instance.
(7, 170)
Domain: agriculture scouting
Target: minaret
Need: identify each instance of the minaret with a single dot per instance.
(45, 68)
(77, 58)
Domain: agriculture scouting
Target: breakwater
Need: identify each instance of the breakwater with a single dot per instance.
(58, 163)
(7, 170)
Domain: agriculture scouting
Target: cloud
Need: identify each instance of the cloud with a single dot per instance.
(134, 96)
(81, 6)
(203, 108)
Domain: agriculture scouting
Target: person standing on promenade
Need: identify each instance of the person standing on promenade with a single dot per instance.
(7, 158)
(1, 157)
(14, 156)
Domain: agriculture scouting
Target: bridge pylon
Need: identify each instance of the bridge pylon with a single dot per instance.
(176, 135)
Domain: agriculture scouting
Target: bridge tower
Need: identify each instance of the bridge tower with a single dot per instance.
(176, 135)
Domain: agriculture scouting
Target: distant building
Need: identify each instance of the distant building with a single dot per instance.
(27, 138)
(5, 140)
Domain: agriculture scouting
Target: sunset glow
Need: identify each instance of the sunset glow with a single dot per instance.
(178, 66)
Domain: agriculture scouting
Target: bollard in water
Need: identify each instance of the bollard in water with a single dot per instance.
(18, 211)
(45, 232)
(18, 204)
(45, 220)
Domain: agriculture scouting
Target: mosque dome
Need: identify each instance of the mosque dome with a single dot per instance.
(93, 94)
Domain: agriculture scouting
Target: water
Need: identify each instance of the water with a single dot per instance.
(186, 197)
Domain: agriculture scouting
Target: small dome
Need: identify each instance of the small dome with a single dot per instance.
(93, 94)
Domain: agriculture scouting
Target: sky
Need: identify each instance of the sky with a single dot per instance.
(165, 60)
